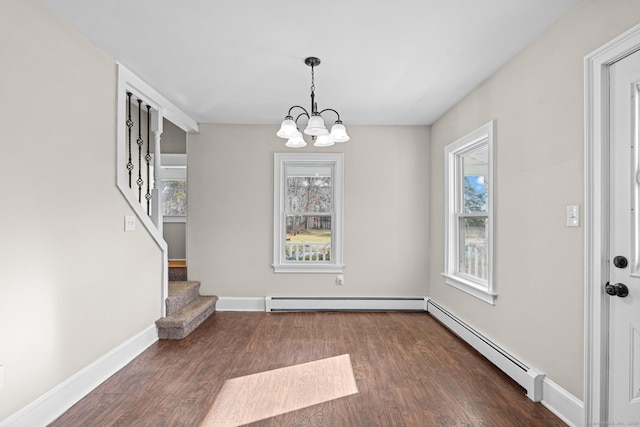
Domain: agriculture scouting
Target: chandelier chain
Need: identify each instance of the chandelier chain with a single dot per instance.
(313, 85)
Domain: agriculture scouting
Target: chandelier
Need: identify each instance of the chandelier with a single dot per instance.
(315, 124)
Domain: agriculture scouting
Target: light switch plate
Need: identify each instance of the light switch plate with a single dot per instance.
(573, 216)
(1, 377)
(129, 222)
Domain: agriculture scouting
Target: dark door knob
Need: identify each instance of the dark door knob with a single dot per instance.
(619, 289)
(620, 261)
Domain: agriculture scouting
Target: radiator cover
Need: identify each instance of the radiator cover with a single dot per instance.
(293, 303)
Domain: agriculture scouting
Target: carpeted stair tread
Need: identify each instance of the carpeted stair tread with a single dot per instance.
(181, 323)
(181, 293)
(177, 286)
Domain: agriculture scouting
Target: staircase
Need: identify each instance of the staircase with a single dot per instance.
(186, 309)
(177, 270)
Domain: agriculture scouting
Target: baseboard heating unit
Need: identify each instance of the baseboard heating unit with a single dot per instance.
(528, 378)
(293, 303)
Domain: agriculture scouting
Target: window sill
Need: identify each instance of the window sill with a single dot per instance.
(471, 288)
(307, 268)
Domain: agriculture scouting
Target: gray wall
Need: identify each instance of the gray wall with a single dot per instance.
(537, 100)
(230, 233)
(174, 139)
(74, 284)
(175, 234)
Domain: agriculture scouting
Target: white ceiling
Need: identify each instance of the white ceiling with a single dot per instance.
(403, 62)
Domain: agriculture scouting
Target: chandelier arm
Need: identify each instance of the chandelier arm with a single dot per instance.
(298, 106)
(300, 115)
(331, 109)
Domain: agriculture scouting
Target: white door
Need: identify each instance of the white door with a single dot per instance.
(624, 277)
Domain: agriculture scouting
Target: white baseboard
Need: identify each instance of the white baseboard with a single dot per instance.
(56, 401)
(240, 304)
(294, 303)
(539, 388)
(562, 403)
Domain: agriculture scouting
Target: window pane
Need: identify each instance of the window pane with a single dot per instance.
(308, 194)
(475, 166)
(473, 259)
(174, 197)
(308, 238)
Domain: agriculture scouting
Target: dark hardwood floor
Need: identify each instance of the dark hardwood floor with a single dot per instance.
(409, 369)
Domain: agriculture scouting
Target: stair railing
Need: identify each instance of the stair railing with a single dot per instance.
(132, 89)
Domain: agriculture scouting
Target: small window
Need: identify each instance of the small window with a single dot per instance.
(173, 187)
(469, 213)
(308, 212)
(174, 191)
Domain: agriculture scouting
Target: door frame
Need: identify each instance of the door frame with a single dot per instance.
(596, 184)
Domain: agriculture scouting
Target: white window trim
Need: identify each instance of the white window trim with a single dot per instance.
(484, 290)
(280, 265)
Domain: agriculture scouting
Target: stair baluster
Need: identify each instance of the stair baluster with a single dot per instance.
(143, 152)
(147, 158)
(129, 128)
(140, 142)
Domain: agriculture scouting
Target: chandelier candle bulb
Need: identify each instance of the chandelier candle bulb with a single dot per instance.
(316, 127)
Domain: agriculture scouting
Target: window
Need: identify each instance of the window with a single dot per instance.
(308, 212)
(469, 213)
(173, 187)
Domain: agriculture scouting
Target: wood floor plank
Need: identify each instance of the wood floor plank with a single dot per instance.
(408, 368)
